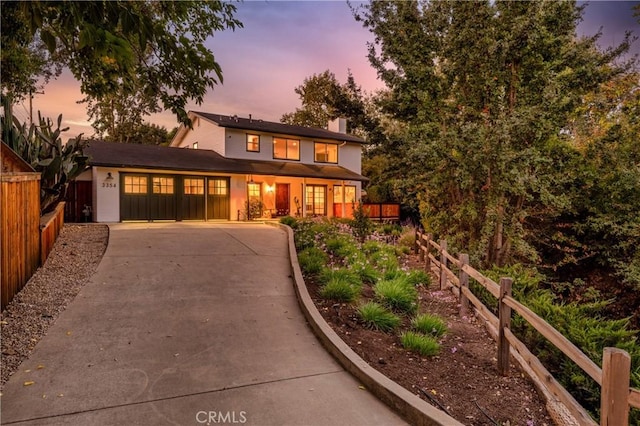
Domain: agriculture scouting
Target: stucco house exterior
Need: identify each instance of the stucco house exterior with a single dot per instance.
(210, 170)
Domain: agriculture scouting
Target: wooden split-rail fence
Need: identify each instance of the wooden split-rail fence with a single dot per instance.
(616, 397)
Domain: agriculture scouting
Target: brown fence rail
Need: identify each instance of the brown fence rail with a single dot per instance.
(19, 229)
(382, 211)
(616, 396)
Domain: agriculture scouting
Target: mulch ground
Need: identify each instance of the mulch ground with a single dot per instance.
(461, 380)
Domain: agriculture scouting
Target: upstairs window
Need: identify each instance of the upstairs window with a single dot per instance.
(253, 143)
(325, 152)
(286, 149)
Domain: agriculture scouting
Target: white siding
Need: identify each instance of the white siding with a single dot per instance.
(208, 135)
(106, 195)
(350, 157)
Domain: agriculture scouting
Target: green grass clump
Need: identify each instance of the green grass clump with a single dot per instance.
(341, 290)
(397, 295)
(416, 342)
(429, 324)
(289, 221)
(340, 246)
(378, 317)
(418, 277)
(341, 274)
(340, 284)
(312, 260)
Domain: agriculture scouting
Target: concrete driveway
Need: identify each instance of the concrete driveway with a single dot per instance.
(187, 323)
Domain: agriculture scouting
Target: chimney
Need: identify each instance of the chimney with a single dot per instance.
(339, 125)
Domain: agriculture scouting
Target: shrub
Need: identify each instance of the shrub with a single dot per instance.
(340, 289)
(418, 277)
(342, 274)
(378, 317)
(367, 273)
(289, 221)
(416, 342)
(312, 260)
(429, 324)
(397, 294)
(408, 238)
(361, 225)
(371, 247)
(340, 246)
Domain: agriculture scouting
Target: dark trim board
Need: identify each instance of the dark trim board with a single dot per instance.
(172, 197)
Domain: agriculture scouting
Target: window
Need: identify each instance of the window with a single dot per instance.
(193, 186)
(349, 194)
(195, 145)
(316, 200)
(253, 143)
(162, 185)
(135, 184)
(218, 187)
(326, 152)
(286, 149)
(254, 191)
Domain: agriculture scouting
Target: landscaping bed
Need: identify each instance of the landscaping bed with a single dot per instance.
(461, 378)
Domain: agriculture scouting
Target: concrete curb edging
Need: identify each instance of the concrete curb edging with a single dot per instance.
(413, 409)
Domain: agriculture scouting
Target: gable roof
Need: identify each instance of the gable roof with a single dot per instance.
(112, 154)
(236, 122)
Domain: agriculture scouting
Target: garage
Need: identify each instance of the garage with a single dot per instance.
(148, 196)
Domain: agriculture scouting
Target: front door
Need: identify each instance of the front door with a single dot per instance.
(282, 199)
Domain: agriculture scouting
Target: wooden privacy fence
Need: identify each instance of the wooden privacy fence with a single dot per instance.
(616, 396)
(382, 211)
(20, 220)
(50, 226)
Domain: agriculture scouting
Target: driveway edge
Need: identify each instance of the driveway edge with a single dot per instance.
(413, 409)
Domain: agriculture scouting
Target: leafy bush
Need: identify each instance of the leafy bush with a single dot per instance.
(582, 324)
(289, 221)
(378, 317)
(397, 294)
(310, 231)
(416, 342)
(312, 260)
(408, 238)
(429, 324)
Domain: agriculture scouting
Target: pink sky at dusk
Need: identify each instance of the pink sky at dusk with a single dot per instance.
(280, 45)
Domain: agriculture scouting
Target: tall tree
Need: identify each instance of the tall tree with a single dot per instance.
(149, 51)
(486, 90)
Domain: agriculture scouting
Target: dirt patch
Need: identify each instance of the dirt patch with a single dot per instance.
(462, 379)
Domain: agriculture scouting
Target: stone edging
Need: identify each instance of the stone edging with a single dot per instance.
(413, 409)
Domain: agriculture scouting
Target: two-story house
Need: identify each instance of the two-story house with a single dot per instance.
(224, 165)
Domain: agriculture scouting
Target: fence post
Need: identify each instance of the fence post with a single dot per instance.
(443, 265)
(427, 262)
(416, 247)
(464, 283)
(614, 398)
(504, 318)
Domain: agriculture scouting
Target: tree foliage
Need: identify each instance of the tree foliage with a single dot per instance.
(486, 90)
(149, 52)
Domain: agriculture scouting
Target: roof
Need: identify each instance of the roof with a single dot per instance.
(111, 154)
(236, 122)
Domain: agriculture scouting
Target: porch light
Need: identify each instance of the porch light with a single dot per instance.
(269, 188)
